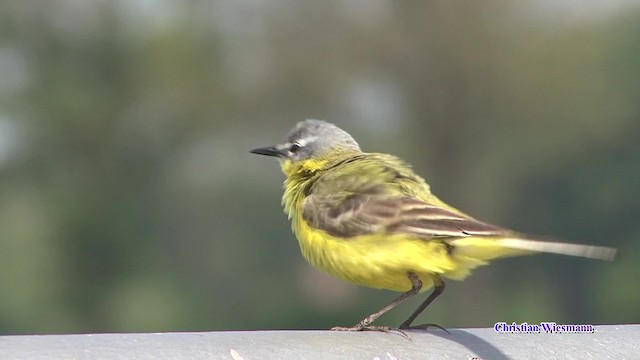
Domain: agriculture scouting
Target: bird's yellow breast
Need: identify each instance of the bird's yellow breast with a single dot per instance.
(377, 261)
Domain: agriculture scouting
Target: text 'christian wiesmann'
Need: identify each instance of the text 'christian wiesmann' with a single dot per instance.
(547, 327)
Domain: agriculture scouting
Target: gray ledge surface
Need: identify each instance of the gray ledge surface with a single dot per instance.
(607, 342)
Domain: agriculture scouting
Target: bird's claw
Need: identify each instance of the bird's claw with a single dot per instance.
(362, 327)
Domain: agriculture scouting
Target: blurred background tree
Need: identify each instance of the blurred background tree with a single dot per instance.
(130, 201)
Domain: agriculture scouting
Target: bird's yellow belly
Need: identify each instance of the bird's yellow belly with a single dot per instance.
(378, 261)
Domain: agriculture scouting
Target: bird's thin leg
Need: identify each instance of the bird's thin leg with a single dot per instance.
(365, 324)
(438, 288)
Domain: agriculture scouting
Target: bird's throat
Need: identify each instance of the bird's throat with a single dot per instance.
(302, 168)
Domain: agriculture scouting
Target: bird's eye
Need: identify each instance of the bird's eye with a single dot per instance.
(294, 147)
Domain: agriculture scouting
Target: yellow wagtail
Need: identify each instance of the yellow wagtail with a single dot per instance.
(368, 219)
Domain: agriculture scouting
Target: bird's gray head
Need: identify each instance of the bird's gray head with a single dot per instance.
(311, 139)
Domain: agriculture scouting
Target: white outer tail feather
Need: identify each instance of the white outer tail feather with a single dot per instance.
(588, 251)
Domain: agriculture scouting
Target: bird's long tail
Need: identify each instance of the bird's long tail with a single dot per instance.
(553, 247)
(492, 248)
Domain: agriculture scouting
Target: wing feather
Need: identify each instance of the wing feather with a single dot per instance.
(359, 214)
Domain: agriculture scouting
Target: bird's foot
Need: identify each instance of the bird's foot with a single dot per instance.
(422, 327)
(363, 327)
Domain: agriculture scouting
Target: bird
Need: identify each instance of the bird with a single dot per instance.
(368, 219)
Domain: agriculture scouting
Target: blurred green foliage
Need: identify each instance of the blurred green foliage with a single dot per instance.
(130, 201)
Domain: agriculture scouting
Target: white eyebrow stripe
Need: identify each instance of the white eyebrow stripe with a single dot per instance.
(305, 141)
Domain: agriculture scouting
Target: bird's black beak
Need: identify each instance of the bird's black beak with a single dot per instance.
(269, 151)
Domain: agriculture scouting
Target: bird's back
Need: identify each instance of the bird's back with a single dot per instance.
(373, 173)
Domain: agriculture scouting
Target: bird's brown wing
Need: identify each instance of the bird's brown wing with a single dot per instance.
(358, 214)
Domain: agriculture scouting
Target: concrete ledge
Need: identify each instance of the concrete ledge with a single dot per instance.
(608, 341)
